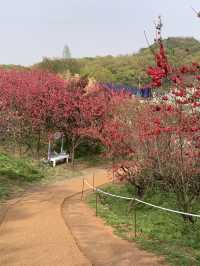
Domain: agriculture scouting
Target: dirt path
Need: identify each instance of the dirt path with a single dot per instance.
(98, 242)
(34, 233)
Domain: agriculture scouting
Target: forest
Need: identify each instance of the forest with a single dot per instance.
(125, 69)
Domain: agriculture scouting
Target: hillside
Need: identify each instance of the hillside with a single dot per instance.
(127, 69)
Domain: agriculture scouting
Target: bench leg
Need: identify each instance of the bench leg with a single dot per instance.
(54, 163)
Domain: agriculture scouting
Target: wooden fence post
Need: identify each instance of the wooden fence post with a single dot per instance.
(135, 220)
(96, 203)
(83, 185)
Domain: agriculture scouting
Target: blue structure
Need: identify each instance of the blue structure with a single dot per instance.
(143, 92)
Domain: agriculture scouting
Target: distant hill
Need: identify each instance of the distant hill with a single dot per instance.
(12, 67)
(185, 44)
(126, 69)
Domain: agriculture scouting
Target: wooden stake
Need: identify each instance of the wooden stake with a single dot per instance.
(83, 185)
(93, 182)
(135, 220)
(96, 204)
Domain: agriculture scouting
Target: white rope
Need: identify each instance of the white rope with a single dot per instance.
(143, 202)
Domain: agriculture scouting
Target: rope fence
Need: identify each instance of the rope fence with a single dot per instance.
(137, 200)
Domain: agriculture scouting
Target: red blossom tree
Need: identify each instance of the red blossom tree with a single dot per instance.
(85, 114)
(174, 127)
(165, 135)
(34, 104)
(28, 100)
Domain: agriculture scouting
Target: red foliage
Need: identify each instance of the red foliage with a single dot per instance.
(38, 103)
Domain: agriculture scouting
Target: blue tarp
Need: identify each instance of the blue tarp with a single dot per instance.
(141, 92)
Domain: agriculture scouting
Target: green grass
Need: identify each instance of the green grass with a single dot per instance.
(162, 233)
(16, 174)
(60, 172)
(93, 161)
(22, 170)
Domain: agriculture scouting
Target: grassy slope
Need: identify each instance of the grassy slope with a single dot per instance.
(15, 174)
(162, 233)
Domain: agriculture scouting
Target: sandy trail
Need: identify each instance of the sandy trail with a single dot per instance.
(34, 233)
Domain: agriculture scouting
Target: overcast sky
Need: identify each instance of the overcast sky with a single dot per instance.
(32, 29)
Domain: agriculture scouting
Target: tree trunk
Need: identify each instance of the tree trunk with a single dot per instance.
(73, 153)
(38, 145)
(185, 206)
(140, 191)
(75, 143)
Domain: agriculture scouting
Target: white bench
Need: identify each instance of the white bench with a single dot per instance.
(58, 158)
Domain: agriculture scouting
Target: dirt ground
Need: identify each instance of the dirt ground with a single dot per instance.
(48, 227)
(97, 240)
